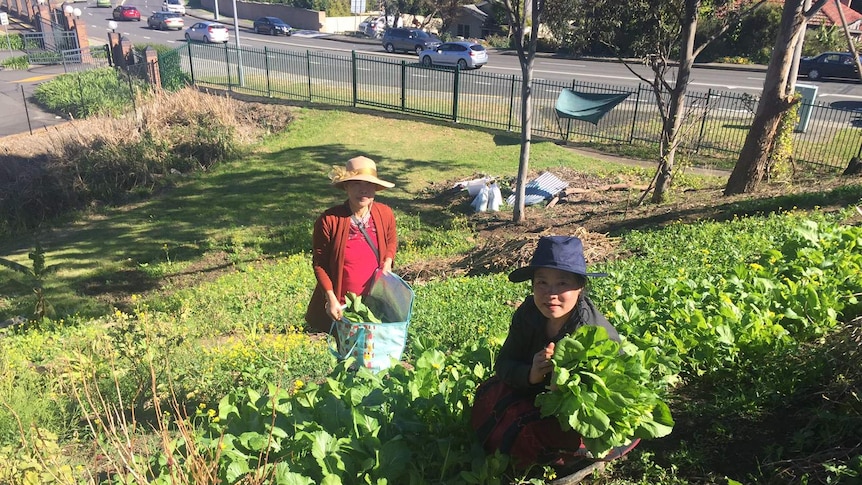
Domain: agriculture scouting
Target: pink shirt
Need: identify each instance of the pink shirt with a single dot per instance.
(359, 260)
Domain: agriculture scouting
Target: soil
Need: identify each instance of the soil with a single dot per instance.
(600, 209)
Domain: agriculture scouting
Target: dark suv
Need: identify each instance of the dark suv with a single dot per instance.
(407, 40)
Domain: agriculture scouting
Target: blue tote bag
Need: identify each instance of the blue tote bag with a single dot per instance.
(375, 345)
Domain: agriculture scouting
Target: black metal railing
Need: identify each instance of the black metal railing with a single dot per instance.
(715, 129)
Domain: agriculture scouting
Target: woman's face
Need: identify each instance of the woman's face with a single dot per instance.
(556, 292)
(360, 193)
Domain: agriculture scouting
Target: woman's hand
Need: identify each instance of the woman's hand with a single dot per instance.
(542, 365)
(333, 307)
(386, 265)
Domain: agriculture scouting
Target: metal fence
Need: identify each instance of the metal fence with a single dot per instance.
(715, 129)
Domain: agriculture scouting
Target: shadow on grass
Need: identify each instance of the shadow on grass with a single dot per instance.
(842, 196)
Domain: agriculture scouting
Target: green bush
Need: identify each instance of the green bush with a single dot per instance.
(14, 42)
(88, 93)
(16, 62)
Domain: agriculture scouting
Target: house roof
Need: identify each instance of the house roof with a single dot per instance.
(475, 11)
(829, 16)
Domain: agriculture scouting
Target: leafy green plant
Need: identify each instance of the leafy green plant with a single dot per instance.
(35, 277)
(608, 397)
(88, 93)
(357, 311)
(16, 62)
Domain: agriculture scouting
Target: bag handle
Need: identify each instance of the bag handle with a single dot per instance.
(333, 346)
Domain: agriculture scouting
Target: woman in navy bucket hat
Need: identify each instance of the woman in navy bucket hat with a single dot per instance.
(504, 414)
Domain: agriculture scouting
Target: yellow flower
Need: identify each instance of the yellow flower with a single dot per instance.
(298, 384)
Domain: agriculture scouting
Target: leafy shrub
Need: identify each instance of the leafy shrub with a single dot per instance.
(88, 93)
(498, 41)
(15, 41)
(182, 132)
(16, 62)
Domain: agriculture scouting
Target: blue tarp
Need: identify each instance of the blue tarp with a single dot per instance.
(589, 107)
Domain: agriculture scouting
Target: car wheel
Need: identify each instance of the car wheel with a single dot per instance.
(188, 37)
(207, 39)
(273, 32)
(389, 48)
(418, 50)
(814, 74)
(257, 30)
(462, 64)
(426, 61)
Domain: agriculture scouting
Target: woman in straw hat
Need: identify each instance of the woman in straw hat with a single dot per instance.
(504, 414)
(350, 241)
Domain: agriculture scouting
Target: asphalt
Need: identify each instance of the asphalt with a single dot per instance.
(21, 114)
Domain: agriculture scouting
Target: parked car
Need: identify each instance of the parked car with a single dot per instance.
(374, 26)
(271, 26)
(126, 12)
(165, 21)
(409, 40)
(207, 31)
(462, 54)
(104, 3)
(829, 64)
(175, 6)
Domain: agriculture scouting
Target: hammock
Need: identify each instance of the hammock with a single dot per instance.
(589, 107)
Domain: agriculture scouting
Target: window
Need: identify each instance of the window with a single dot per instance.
(463, 30)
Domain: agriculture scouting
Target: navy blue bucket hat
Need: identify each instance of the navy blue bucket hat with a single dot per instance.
(565, 253)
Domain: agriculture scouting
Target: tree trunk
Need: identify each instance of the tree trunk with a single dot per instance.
(756, 151)
(526, 138)
(526, 54)
(753, 159)
(672, 131)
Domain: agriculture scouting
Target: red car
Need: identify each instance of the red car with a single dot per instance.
(125, 12)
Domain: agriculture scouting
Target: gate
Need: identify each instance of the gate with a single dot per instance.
(47, 46)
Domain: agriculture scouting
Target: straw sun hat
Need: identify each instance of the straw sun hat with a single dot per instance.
(358, 168)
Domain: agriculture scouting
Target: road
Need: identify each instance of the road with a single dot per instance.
(720, 78)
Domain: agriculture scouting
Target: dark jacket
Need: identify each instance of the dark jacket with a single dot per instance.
(328, 242)
(527, 336)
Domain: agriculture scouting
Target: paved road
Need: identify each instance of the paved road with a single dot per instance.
(19, 113)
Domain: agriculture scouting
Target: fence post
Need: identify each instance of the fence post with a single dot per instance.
(456, 87)
(703, 120)
(151, 59)
(227, 65)
(308, 70)
(403, 85)
(354, 81)
(266, 67)
(191, 63)
(511, 103)
(635, 115)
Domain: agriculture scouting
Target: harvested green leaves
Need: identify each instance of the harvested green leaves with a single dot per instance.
(606, 396)
(357, 311)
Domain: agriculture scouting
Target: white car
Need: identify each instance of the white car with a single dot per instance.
(207, 32)
(465, 55)
(175, 6)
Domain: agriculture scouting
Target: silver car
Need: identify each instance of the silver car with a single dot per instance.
(207, 32)
(462, 54)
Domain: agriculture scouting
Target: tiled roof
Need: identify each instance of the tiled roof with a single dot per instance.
(828, 15)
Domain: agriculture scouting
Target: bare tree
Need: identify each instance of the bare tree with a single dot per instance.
(521, 17)
(670, 97)
(777, 98)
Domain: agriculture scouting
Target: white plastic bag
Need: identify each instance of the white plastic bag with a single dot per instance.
(480, 203)
(495, 199)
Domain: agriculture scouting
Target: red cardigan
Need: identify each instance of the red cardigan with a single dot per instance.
(328, 242)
